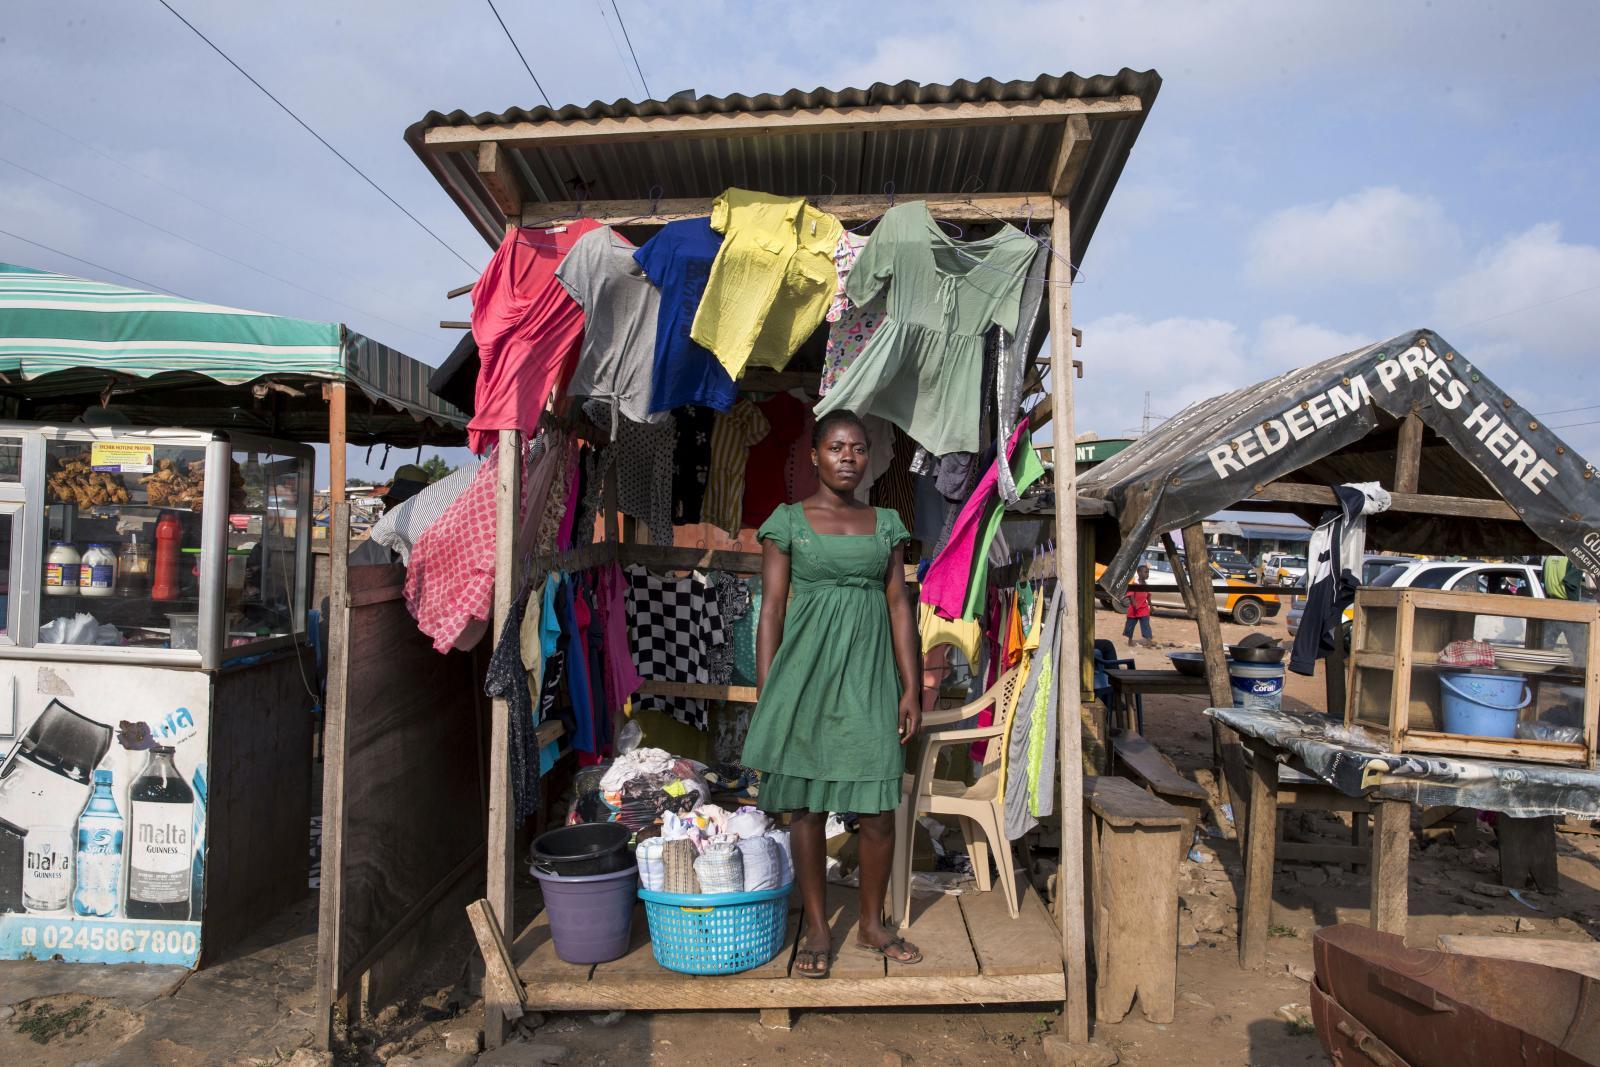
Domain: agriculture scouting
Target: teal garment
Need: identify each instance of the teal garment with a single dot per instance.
(1026, 468)
(781, 792)
(829, 712)
(922, 369)
(744, 637)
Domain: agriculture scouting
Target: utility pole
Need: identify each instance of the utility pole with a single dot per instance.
(1144, 426)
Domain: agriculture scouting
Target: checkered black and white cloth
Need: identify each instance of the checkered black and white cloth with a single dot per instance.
(677, 632)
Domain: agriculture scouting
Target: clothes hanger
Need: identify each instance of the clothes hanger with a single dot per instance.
(888, 191)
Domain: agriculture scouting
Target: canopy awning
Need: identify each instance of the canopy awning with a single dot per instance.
(1490, 477)
(69, 343)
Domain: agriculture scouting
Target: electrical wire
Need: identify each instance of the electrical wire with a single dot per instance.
(626, 37)
(241, 223)
(1566, 411)
(520, 56)
(204, 248)
(91, 263)
(648, 94)
(306, 126)
(1570, 425)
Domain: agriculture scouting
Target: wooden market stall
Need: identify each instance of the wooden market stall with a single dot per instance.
(1043, 154)
(1469, 472)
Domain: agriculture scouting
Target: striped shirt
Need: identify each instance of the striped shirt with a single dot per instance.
(731, 437)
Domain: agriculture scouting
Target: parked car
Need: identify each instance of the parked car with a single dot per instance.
(1472, 576)
(1289, 573)
(1246, 609)
(1234, 564)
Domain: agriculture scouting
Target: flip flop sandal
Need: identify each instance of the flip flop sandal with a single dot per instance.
(895, 943)
(818, 957)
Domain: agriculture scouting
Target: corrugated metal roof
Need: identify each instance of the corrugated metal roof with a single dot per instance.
(999, 157)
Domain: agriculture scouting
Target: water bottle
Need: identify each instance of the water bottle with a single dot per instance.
(99, 857)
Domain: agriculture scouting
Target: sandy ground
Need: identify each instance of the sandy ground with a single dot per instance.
(256, 1007)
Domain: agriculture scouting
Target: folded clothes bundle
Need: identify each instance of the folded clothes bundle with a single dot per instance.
(763, 864)
(677, 867)
(720, 867)
(652, 868)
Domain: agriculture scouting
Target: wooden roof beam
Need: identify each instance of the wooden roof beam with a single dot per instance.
(1460, 507)
(964, 207)
(496, 173)
(1076, 141)
(809, 121)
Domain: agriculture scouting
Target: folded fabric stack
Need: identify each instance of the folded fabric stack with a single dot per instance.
(718, 851)
(639, 788)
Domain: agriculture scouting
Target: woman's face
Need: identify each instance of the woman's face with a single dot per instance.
(841, 457)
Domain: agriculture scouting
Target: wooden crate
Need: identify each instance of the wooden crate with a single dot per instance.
(1394, 668)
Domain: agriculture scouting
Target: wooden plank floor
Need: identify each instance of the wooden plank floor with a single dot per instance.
(974, 953)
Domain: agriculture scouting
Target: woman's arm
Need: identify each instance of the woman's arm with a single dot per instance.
(903, 625)
(774, 605)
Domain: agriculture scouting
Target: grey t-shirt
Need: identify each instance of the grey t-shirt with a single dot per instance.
(619, 322)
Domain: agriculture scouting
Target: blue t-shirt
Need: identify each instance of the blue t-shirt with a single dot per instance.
(678, 260)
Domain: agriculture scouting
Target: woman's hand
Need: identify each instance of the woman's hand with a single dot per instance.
(910, 716)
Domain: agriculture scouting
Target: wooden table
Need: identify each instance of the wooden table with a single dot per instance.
(1389, 869)
(1127, 684)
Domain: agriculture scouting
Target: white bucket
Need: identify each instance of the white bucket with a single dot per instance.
(1256, 685)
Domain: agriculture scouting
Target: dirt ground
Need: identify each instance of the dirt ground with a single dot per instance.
(256, 1007)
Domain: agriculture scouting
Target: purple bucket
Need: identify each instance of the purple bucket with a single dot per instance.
(591, 915)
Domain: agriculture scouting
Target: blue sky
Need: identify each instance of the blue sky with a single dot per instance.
(1312, 176)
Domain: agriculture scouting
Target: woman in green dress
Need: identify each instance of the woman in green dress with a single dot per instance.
(840, 687)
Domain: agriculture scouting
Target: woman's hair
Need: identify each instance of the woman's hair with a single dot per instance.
(833, 418)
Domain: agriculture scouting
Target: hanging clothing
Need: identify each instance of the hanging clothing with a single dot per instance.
(621, 676)
(735, 431)
(772, 280)
(678, 261)
(1029, 767)
(744, 636)
(880, 455)
(530, 643)
(1026, 468)
(450, 581)
(850, 327)
(895, 489)
(401, 526)
(1333, 571)
(506, 678)
(799, 473)
(691, 463)
(580, 687)
(950, 578)
(923, 367)
(674, 624)
(1012, 353)
(966, 635)
(767, 469)
(641, 456)
(527, 328)
(825, 734)
(620, 307)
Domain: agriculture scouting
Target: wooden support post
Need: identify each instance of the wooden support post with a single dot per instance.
(330, 904)
(1391, 860)
(500, 179)
(502, 989)
(1075, 1011)
(338, 440)
(1408, 454)
(502, 805)
(1096, 716)
(777, 1018)
(1260, 840)
(1200, 597)
(1528, 852)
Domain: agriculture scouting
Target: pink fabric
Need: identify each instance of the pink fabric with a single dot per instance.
(574, 505)
(945, 585)
(622, 677)
(528, 329)
(450, 580)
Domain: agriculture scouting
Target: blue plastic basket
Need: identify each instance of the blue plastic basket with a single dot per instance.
(716, 933)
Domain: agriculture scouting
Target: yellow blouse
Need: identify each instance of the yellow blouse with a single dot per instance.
(771, 282)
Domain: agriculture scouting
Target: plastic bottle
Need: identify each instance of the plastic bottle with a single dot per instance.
(99, 859)
(133, 568)
(98, 574)
(168, 535)
(61, 570)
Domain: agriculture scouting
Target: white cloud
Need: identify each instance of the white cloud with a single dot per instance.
(1380, 235)
(1283, 342)
(1519, 295)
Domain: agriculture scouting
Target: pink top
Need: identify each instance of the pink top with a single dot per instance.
(945, 585)
(622, 677)
(527, 328)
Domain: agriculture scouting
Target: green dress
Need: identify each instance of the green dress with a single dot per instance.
(825, 734)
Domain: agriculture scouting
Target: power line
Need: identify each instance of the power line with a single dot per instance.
(314, 133)
(520, 56)
(242, 224)
(204, 248)
(1566, 411)
(91, 263)
(1530, 307)
(616, 47)
(1570, 425)
(631, 52)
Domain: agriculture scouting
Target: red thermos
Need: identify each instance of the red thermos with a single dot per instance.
(168, 534)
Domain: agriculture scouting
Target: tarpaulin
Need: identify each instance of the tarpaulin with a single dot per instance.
(1337, 421)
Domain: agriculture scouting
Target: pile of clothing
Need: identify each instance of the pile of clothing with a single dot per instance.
(713, 850)
(640, 789)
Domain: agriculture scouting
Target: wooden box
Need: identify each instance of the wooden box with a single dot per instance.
(1397, 685)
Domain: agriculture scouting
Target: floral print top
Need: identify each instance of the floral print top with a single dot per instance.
(850, 326)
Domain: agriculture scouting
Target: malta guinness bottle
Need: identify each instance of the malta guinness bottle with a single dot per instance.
(160, 840)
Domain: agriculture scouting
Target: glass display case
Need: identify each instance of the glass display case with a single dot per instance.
(161, 546)
(1498, 673)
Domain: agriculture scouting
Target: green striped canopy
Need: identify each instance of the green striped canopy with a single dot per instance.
(54, 324)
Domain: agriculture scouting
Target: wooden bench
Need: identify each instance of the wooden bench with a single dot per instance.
(1131, 891)
(1150, 768)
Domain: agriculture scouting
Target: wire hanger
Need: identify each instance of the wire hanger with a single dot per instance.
(888, 191)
